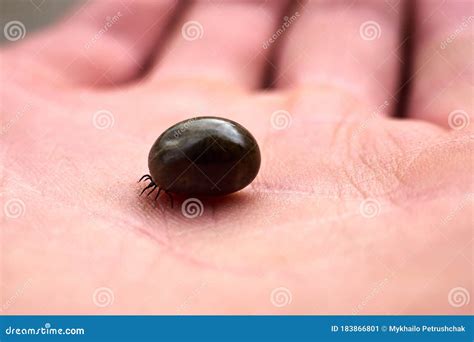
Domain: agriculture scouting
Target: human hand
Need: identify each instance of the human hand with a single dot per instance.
(353, 211)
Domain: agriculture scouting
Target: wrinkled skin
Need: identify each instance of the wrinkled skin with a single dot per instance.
(302, 224)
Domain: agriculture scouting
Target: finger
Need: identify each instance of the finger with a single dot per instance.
(221, 41)
(443, 70)
(104, 42)
(350, 45)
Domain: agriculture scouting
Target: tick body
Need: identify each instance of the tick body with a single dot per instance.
(203, 156)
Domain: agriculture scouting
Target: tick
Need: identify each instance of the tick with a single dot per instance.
(204, 156)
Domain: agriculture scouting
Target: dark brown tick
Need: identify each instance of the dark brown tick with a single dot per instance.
(203, 156)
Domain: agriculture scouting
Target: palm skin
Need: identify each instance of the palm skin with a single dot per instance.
(351, 212)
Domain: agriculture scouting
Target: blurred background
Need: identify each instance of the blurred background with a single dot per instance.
(34, 14)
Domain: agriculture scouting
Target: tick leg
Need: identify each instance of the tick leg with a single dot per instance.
(151, 190)
(171, 198)
(158, 194)
(148, 187)
(144, 177)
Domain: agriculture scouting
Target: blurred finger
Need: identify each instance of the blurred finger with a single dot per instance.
(103, 42)
(353, 45)
(221, 41)
(443, 72)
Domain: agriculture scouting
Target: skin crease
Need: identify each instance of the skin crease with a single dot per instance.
(299, 224)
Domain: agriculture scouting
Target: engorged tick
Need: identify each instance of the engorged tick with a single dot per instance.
(203, 156)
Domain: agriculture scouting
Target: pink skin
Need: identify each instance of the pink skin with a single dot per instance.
(299, 225)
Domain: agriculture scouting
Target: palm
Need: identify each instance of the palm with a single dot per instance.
(347, 203)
